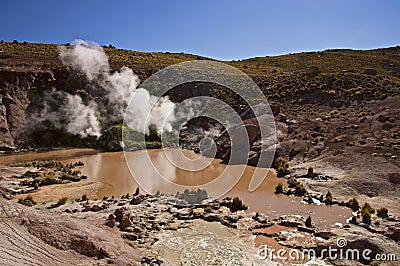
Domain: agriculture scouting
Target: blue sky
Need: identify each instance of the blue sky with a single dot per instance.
(219, 29)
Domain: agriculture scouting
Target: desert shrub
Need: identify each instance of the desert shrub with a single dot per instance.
(292, 182)
(27, 201)
(308, 221)
(49, 180)
(208, 209)
(62, 201)
(70, 177)
(299, 190)
(236, 205)
(368, 208)
(279, 188)
(382, 213)
(353, 204)
(281, 166)
(84, 197)
(366, 217)
(328, 198)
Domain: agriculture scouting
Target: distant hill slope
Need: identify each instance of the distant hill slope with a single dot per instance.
(332, 77)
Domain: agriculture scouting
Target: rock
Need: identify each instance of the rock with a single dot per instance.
(126, 221)
(382, 118)
(96, 208)
(212, 217)
(310, 172)
(370, 71)
(193, 196)
(313, 71)
(282, 118)
(151, 261)
(137, 200)
(305, 229)
(395, 234)
(131, 237)
(110, 223)
(115, 145)
(119, 213)
(324, 234)
(394, 178)
(291, 220)
(387, 126)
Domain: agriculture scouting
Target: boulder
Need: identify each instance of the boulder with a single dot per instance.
(370, 71)
(313, 71)
(110, 223)
(394, 178)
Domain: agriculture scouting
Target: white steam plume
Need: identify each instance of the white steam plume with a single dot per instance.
(87, 118)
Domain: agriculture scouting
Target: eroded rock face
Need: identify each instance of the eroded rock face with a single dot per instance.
(14, 89)
(43, 238)
(254, 137)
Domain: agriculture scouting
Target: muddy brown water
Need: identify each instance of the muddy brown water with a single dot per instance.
(109, 176)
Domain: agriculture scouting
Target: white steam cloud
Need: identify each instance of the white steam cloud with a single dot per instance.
(74, 115)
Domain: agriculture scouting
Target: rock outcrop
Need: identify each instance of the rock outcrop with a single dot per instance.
(14, 99)
(253, 138)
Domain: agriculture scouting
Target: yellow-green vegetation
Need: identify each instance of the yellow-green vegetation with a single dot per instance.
(367, 207)
(353, 204)
(133, 140)
(208, 209)
(61, 201)
(281, 166)
(280, 77)
(366, 217)
(49, 172)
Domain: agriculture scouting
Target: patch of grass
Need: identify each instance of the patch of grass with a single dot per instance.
(61, 201)
(27, 201)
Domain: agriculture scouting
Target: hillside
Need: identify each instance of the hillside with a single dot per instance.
(303, 82)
